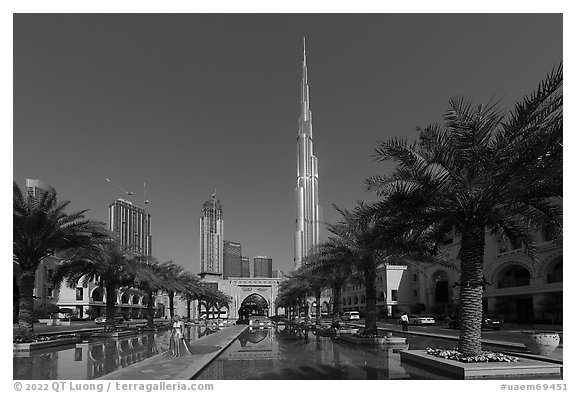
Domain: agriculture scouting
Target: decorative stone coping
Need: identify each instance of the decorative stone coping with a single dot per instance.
(122, 333)
(401, 341)
(524, 368)
(28, 347)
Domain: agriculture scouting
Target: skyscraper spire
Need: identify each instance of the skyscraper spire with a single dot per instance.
(305, 114)
(307, 208)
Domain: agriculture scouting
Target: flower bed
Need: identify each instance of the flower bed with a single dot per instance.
(485, 357)
(37, 339)
(21, 344)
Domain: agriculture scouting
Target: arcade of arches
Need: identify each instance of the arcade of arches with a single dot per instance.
(523, 292)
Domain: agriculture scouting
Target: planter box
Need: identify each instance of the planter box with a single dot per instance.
(27, 347)
(525, 368)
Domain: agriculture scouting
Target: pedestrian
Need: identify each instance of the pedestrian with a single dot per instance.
(404, 321)
(177, 334)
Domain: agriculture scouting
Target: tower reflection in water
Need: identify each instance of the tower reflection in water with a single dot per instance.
(297, 353)
(97, 357)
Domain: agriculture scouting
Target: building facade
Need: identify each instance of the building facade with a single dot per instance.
(131, 224)
(245, 268)
(232, 259)
(518, 289)
(307, 233)
(262, 267)
(36, 188)
(211, 239)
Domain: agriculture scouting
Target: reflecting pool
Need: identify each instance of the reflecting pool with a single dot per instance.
(96, 356)
(290, 353)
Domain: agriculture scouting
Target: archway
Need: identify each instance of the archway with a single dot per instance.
(513, 276)
(98, 294)
(441, 287)
(554, 271)
(254, 304)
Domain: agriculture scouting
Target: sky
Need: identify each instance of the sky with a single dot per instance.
(192, 103)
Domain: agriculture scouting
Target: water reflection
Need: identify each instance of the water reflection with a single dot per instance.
(96, 357)
(291, 352)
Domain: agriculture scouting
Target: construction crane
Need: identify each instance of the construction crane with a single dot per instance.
(120, 188)
(146, 201)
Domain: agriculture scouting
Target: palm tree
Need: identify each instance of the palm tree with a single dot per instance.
(193, 289)
(334, 269)
(358, 238)
(106, 263)
(292, 294)
(481, 172)
(149, 277)
(213, 297)
(171, 282)
(310, 279)
(41, 229)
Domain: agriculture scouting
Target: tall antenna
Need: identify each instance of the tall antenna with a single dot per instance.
(146, 201)
(118, 187)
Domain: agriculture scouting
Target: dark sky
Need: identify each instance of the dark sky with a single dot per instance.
(192, 102)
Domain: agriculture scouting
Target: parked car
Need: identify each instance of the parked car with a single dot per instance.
(491, 322)
(488, 322)
(350, 315)
(119, 319)
(421, 320)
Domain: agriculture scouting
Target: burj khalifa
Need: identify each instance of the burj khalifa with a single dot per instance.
(307, 208)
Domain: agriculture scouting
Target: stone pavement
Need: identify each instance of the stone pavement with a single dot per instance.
(165, 366)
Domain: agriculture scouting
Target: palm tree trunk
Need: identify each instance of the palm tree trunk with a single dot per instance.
(110, 302)
(188, 308)
(471, 266)
(370, 282)
(336, 295)
(171, 304)
(150, 309)
(318, 307)
(26, 307)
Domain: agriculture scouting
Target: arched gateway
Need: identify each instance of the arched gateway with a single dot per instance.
(254, 295)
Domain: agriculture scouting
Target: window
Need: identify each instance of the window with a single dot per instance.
(415, 293)
(415, 277)
(394, 295)
(79, 293)
(49, 293)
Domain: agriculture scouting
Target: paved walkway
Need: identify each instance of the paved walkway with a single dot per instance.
(164, 366)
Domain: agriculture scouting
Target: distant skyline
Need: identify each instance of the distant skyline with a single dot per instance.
(190, 103)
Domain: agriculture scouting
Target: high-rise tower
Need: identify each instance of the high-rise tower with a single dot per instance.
(211, 239)
(307, 208)
(131, 224)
